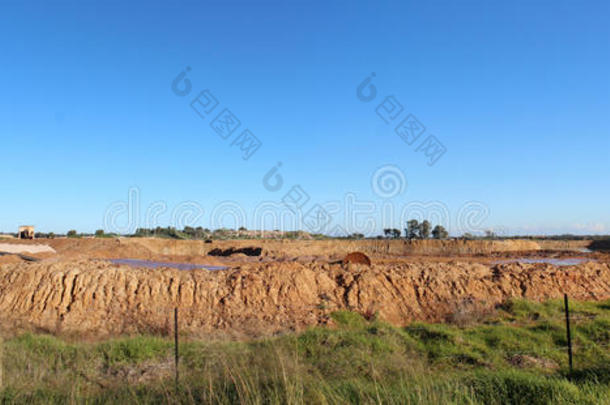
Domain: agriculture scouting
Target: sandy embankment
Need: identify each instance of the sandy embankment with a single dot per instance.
(99, 299)
(292, 285)
(25, 248)
(154, 248)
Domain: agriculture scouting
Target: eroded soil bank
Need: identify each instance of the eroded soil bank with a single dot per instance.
(96, 298)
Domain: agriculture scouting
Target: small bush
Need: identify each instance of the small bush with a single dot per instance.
(134, 350)
(348, 319)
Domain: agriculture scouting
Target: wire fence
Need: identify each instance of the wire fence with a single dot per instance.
(177, 325)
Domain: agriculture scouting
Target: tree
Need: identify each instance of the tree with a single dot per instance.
(439, 232)
(99, 233)
(396, 233)
(387, 232)
(424, 229)
(142, 232)
(173, 232)
(412, 230)
(199, 232)
(72, 233)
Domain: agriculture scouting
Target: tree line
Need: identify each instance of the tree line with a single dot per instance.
(416, 230)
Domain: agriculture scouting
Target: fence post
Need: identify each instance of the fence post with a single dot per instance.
(1, 360)
(176, 353)
(567, 309)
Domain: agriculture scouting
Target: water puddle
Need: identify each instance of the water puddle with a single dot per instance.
(155, 265)
(556, 262)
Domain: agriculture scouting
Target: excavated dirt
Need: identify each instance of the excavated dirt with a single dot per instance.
(357, 258)
(96, 298)
(151, 248)
(10, 259)
(25, 248)
(290, 286)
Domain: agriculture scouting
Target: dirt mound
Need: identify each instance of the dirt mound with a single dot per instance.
(98, 298)
(10, 258)
(357, 258)
(25, 248)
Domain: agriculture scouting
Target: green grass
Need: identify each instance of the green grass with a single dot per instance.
(515, 355)
(133, 350)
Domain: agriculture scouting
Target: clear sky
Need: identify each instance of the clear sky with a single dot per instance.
(517, 92)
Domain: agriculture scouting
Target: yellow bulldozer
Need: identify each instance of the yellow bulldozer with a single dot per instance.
(26, 232)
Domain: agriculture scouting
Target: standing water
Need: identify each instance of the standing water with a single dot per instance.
(549, 260)
(155, 265)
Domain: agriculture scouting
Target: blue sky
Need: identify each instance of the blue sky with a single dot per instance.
(517, 92)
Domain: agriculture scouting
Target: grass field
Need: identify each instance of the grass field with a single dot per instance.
(515, 354)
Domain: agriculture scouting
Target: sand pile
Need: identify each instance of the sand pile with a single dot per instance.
(357, 258)
(25, 248)
(97, 298)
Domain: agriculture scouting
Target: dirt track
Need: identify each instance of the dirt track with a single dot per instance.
(23, 248)
(71, 293)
